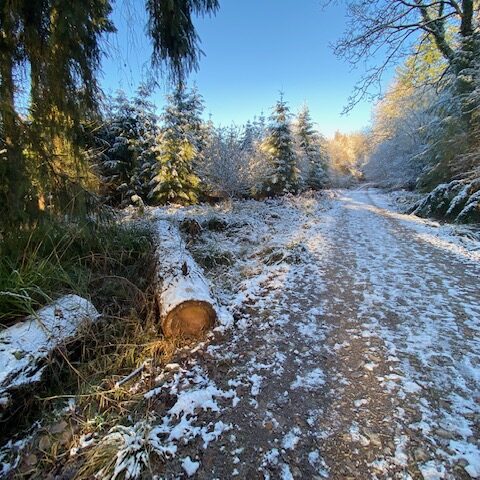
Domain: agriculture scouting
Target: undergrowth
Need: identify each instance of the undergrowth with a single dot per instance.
(55, 258)
(114, 266)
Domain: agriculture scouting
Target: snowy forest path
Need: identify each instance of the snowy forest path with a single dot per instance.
(360, 360)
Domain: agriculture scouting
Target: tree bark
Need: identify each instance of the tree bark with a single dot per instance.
(26, 346)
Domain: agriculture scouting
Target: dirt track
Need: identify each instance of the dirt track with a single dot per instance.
(358, 359)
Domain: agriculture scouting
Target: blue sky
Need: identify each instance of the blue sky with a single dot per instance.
(254, 49)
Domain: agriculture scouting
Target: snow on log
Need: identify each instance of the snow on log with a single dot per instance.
(186, 305)
(25, 346)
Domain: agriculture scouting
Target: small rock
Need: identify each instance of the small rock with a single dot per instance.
(420, 455)
(296, 472)
(375, 439)
(364, 441)
(66, 437)
(31, 460)
(301, 422)
(442, 433)
(269, 426)
(58, 427)
(358, 365)
(44, 443)
(474, 440)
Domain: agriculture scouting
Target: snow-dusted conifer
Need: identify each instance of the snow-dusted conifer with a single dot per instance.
(259, 126)
(312, 151)
(180, 146)
(128, 137)
(117, 161)
(144, 142)
(279, 148)
(248, 138)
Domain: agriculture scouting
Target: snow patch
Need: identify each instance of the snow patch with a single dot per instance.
(310, 381)
(25, 345)
(190, 466)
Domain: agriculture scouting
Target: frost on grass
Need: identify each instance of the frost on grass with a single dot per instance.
(25, 345)
(128, 448)
(261, 239)
(124, 452)
(11, 455)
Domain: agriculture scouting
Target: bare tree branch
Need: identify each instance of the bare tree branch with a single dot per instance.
(389, 29)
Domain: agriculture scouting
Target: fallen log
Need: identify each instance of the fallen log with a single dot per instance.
(187, 307)
(25, 346)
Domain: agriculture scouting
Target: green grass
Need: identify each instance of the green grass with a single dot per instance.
(113, 265)
(55, 258)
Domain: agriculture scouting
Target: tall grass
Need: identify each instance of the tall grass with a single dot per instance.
(55, 258)
(113, 265)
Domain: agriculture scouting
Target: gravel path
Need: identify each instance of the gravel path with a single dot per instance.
(355, 355)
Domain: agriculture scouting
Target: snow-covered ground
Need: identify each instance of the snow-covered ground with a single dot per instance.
(354, 353)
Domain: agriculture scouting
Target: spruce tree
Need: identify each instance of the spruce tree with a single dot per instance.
(57, 44)
(144, 143)
(50, 50)
(248, 138)
(180, 146)
(279, 147)
(128, 139)
(312, 151)
(259, 127)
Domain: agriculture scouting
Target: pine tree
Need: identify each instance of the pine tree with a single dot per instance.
(181, 143)
(50, 50)
(248, 137)
(259, 127)
(279, 147)
(312, 151)
(59, 41)
(128, 158)
(145, 143)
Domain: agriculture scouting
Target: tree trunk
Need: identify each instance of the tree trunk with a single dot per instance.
(13, 176)
(187, 307)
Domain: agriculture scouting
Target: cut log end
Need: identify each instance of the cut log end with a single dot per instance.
(191, 318)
